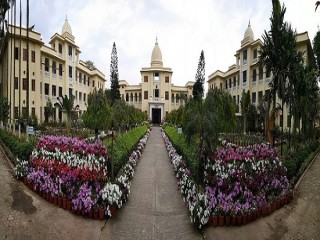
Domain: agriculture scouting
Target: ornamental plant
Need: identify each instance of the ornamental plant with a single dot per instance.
(21, 169)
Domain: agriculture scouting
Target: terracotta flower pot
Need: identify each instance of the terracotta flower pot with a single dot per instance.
(221, 221)
(258, 213)
(264, 211)
(239, 220)
(234, 220)
(69, 205)
(95, 214)
(64, 203)
(273, 207)
(113, 209)
(278, 203)
(101, 213)
(228, 220)
(55, 200)
(250, 217)
(282, 201)
(245, 219)
(254, 215)
(214, 221)
(90, 213)
(51, 198)
(60, 201)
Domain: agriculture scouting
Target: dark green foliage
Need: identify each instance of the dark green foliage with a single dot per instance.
(189, 150)
(297, 162)
(4, 109)
(114, 76)
(198, 88)
(316, 48)
(124, 145)
(19, 149)
(97, 116)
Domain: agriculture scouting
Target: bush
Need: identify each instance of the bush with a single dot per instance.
(124, 145)
(297, 162)
(188, 150)
(20, 149)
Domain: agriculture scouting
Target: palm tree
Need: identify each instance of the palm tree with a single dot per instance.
(277, 55)
(67, 104)
(317, 4)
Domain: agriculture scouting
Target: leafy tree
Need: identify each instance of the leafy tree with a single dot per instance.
(245, 107)
(90, 65)
(119, 115)
(198, 89)
(4, 109)
(48, 110)
(67, 104)
(205, 119)
(97, 115)
(114, 76)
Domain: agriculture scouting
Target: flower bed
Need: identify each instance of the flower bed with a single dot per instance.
(76, 171)
(239, 182)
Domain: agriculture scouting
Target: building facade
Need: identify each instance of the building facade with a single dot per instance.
(156, 95)
(246, 74)
(54, 71)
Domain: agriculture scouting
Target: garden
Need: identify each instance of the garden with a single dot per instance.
(75, 174)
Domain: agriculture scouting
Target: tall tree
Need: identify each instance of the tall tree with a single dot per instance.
(198, 88)
(97, 115)
(245, 107)
(277, 55)
(114, 76)
(316, 48)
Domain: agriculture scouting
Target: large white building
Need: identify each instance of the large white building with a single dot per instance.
(55, 70)
(156, 95)
(246, 74)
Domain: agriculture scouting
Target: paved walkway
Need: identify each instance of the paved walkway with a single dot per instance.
(155, 209)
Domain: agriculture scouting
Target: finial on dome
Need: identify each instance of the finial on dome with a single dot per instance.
(157, 40)
(249, 25)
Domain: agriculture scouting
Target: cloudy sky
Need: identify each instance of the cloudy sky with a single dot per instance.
(183, 28)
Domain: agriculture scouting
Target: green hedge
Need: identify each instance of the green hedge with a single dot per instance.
(19, 149)
(124, 145)
(188, 151)
(297, 162)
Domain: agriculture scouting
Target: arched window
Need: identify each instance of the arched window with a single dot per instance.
(127, 97)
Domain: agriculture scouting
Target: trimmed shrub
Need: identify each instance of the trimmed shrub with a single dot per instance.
(124, 145)
(188, 150)
(20, 149)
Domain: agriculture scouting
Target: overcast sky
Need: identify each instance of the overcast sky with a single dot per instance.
(183, 28)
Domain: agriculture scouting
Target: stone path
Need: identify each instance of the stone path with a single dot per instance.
(155, 209)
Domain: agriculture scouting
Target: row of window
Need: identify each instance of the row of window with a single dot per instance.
(70, 49)
(24, 84)
(245, 55)
(24, 112)
(24, 54)
(136, 97)
(156, 78)
(234, 81)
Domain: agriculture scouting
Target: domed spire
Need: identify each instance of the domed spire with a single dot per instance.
(156, 57)
(248, 32)
(66, 27)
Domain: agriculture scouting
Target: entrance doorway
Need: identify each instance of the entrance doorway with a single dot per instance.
(156, 115)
